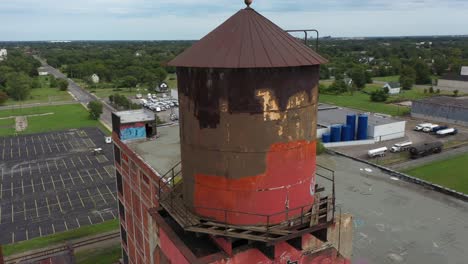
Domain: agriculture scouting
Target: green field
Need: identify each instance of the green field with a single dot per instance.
(171, 80)
(60, 238)
(394, 78)
(451, 173)
(107, 255)
(7, 126)
(43, 95)
(63, 117)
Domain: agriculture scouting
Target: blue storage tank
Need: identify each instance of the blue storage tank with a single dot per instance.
(346, 133)
(336, 133)
(351, 122)
(363, 123)
(326, 138)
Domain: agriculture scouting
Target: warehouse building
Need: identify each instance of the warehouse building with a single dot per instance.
(454, 82)
(443, 109)
(380, 127)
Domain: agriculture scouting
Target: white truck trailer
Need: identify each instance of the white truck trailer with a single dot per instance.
(400, 147)
(380, 152)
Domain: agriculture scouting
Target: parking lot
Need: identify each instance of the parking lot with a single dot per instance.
(54, 182)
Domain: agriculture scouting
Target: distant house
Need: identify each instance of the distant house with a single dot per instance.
(95, 78)
(393, 87)
(3, 54)
(42, 71)
(464, 71)
(163, 87)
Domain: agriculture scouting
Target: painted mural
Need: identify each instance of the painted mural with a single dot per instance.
(132, 131)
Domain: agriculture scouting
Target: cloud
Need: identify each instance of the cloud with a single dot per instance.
(191, 19)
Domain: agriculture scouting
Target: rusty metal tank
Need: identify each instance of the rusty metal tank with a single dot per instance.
(248, 113)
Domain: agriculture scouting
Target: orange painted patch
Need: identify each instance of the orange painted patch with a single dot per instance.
(286, 183)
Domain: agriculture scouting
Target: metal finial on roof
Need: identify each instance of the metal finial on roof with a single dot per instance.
(248, 2)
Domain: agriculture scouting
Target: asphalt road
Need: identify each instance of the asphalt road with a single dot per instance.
(80, 94)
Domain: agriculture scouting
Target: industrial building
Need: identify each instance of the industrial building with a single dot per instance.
(452, 82)
(443, 109)
(237, 182)
(379, 127)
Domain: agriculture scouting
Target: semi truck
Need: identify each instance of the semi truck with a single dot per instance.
(400, 147)
(447, 132)
(426, 149)
(380, 152)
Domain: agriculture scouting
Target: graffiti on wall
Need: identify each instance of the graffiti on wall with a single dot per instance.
(132, 131)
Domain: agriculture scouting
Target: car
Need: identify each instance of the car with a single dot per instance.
(139, 96)
(158, 109)
(108, 140)
(420, 127)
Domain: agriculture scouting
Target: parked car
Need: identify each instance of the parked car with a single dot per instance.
(428, 129)
(447, 132)
(420, 127)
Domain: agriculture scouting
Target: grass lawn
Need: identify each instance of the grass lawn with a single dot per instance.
(450, 173)
(43, 95)
(59, 238)
(394, 78)
(405, 95)
(106, 255)
(171, 80)
(7, 126)
(104, 93)
(63, 117)
(361, 101)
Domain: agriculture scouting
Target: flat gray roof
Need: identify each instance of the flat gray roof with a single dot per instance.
(394, 221)
(397, 221)
(132, 116)
(162, 153)
(331, 115)
(460, 102)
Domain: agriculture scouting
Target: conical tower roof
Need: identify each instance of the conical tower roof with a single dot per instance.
(248, 40)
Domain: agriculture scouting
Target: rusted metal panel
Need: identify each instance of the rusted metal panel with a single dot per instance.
(248, 40)
(248, 140)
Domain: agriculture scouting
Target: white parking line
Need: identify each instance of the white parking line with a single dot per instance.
(74, 165)
(63, 183)
(99, 174)
(89, 174)
(69, 201)
(27, 151)
(50, 149)
(11, 189)
(42, 147)
(37, 211)
(12, 214)
(100, 215)
(22, 186)
(89, 218)
(58, 201)
(56, 145)
(79, 174)
(71, 178)
(1, 190)
(47, 163)
(24, 210)
(21, 171)
(111, 192)
(91, 197)
(2, 174)
(64, 164)
(81, 200)
(90, 162)
(53, 228)
(65, 147)
(56, 166)
(0, 214)
(113, 215)
(40, 232)
(78, 222)
(27, 235)
(35, 151)
(52, 180)
(48, 207)
(30, 169)
(43, 186)
(32, 185)
(80, 160)
(66, 226)
(102, 196)
(13, 237)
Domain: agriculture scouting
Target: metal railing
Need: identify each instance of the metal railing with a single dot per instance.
(224, 218)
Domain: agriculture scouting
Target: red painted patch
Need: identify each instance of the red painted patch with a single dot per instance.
(285, 184)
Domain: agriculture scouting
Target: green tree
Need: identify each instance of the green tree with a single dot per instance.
(62, 84)
(18, 86)
(379, 96)
(129, 82)
(423, 74)
(455, 93)
(407, 77)
(160, 75)
(53, 81)
(35, 83)
(358, 74)
(338, 87)
(440, 65)
(95, 109)
(3, 97)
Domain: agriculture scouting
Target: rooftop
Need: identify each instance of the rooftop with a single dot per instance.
(162, 153)
(329, 115)
(460, 102)
(394, 221)
(133, 116)
(248, 40)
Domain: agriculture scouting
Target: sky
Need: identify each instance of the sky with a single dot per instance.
(192, 19)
